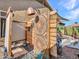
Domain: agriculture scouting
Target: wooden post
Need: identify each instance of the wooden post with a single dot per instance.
(52, 33)
(8, 32)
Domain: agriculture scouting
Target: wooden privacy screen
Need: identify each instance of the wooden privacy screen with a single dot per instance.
(40, 41)
(42, 36)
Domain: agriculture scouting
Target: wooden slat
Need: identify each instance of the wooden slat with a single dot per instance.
(53, 34)
(1, 42)
(52, 21)
(53, 38)
(52, 43)
(48, 32)
(52, 30)
(53, 25)
(17, 45)
(19, 52)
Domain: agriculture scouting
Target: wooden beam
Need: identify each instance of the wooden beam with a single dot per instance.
(8, 32)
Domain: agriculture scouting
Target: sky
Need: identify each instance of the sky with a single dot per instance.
(68, 9)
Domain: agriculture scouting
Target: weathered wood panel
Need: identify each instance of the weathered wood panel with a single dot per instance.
(52, 34)
(40, 36)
